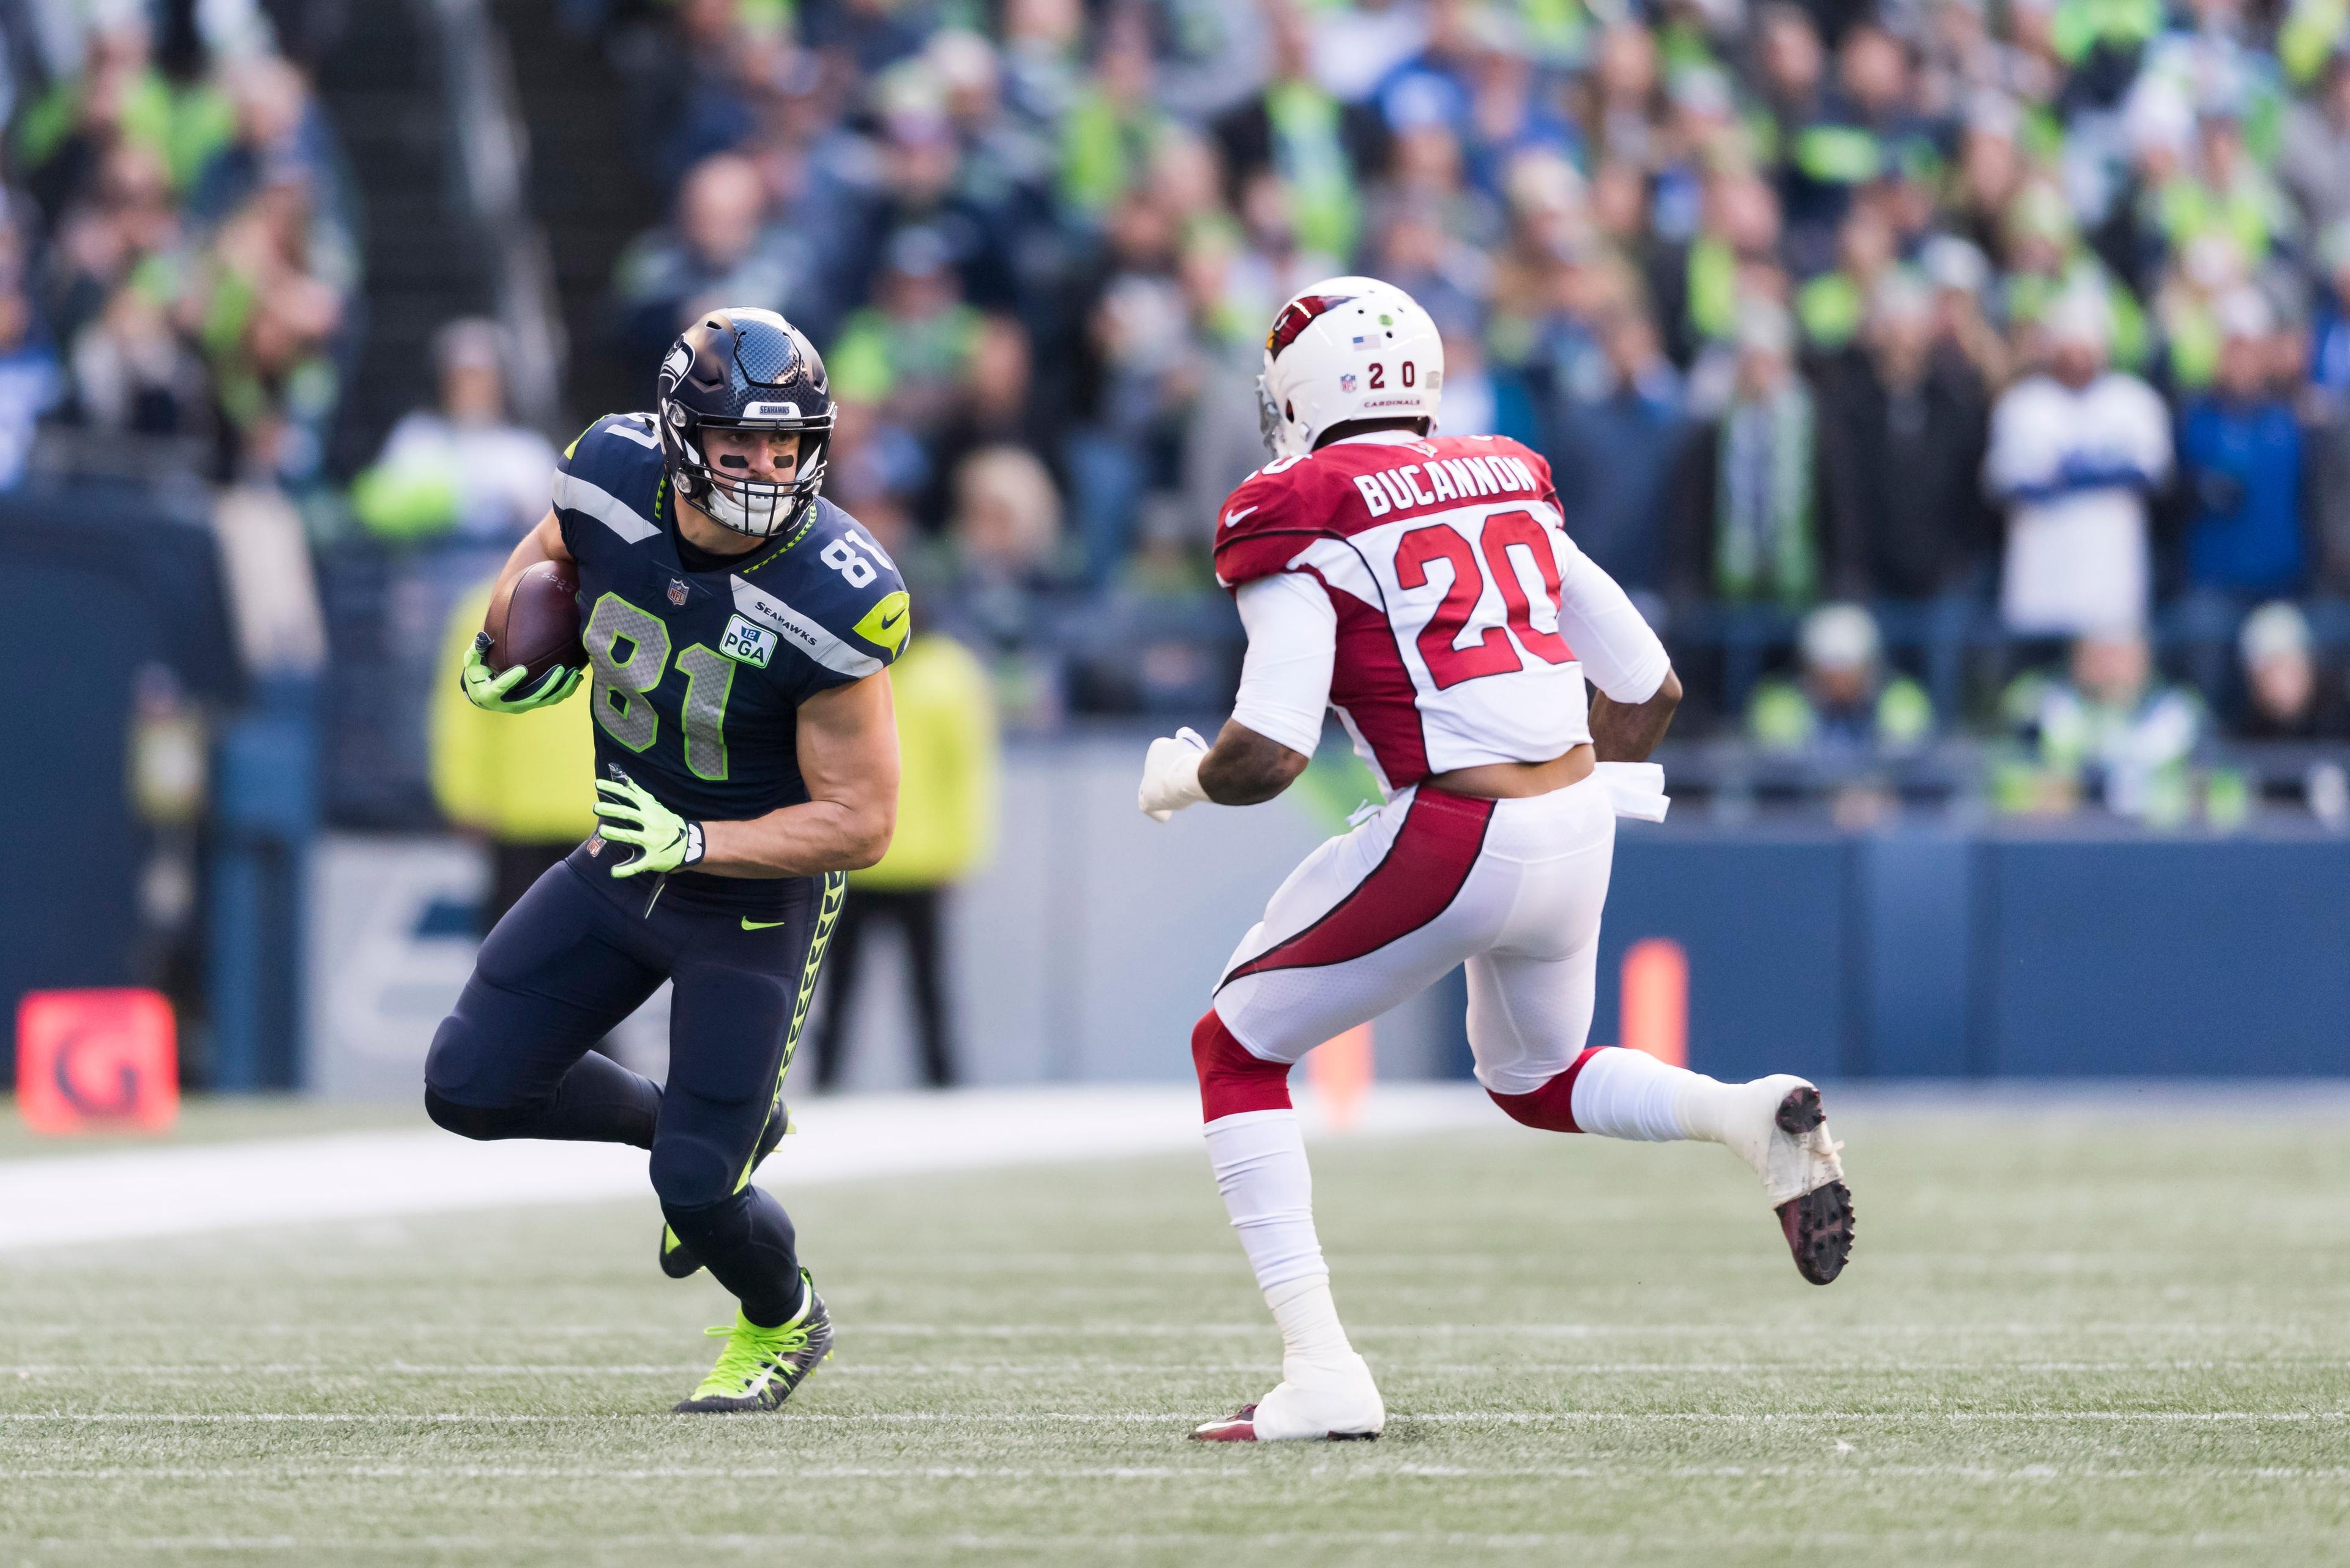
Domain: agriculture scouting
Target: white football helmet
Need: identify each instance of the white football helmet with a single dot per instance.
(1346, 348)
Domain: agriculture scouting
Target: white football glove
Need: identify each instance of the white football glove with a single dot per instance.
(1170, 775)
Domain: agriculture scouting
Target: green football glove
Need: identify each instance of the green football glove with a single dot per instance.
(491, 693)
(664, 841)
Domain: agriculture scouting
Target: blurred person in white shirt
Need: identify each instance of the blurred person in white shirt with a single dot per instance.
(2076, 452)
(462, 467)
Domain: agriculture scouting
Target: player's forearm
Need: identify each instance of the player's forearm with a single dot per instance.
(799, 840)
(543, 543)
(1243, 767)
(1629, 732)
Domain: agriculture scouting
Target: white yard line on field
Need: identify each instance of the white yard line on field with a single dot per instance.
(1086, 1367)
(1139, 1417)
(2027, 1545)
(2232, 1331)
(218, 1187)
(1636, 1471)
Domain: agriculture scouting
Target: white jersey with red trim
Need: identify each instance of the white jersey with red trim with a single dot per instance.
(1466, 619)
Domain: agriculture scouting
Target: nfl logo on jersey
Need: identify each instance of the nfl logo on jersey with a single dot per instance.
(677, 591)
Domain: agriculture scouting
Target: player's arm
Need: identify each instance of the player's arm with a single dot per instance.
(1293, 641)
(848, 759)
(500, 690)
(543, 543)
(1243, 767)
(1629, 732)
(1621, 656)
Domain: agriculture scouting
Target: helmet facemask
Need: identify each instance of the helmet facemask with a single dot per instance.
(1281, 438)
(760, 508)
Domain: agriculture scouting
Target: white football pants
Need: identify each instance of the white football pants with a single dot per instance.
(1512, 887)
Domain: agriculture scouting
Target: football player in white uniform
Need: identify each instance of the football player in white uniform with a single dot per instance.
(1421, 586)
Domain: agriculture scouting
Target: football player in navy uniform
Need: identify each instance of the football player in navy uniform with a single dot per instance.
(737, 627)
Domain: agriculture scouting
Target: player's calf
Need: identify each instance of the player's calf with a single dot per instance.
(676, 1255)
(1259, 1156)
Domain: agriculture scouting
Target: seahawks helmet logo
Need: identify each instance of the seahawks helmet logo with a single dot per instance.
(679, 358)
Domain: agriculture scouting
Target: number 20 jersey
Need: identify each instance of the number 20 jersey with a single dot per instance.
(697, 676)
(1466, 617)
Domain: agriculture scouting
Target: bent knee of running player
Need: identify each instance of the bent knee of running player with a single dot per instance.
(553, 978)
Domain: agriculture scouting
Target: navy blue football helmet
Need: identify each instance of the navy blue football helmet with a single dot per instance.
(745, 369)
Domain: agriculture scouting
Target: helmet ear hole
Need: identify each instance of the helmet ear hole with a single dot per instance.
(1289, 411)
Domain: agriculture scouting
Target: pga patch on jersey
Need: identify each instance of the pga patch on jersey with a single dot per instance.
(747, 644)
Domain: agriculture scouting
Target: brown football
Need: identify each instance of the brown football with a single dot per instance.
(540, 628)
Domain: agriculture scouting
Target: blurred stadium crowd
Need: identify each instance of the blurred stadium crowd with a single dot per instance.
(177, 251)
(1930, 369)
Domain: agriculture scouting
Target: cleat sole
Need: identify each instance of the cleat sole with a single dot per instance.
(1819, 1230)
(1801, 1111)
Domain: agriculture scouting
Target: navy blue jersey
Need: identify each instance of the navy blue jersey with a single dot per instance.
(697, 676)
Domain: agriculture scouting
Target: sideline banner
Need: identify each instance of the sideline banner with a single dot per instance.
(96, 1059)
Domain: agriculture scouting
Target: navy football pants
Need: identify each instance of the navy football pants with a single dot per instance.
(577, 955)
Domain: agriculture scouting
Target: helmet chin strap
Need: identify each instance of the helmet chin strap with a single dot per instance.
(726, 506)
(726, 509)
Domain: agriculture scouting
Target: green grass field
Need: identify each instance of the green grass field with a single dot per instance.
(2089, 1337)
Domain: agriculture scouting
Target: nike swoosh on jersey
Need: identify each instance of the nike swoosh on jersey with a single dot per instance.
(751, 925)
(1232, 517)
(885, 624)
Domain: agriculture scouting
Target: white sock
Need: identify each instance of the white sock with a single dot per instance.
(1628, 1094)
(1313, 1340)
(1259, 1157)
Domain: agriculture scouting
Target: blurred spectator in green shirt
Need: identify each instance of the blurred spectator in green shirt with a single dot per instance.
(1844, 699)
(2109, 730)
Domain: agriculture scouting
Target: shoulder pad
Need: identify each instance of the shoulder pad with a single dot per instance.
(1265, 522)
(835, 595)
(613, 475)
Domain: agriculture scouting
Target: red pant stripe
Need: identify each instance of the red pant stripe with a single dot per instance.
(1421, 875)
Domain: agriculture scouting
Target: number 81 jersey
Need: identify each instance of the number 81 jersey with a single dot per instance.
(1466, 619)
(696, 678)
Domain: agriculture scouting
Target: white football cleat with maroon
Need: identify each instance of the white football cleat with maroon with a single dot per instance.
(1323, 1404)
(1779, 1128)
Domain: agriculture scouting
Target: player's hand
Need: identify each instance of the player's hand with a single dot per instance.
(497, 693)
(1170, 775)
(663, 840)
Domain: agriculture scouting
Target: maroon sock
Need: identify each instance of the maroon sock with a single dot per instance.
(1551, 1107)
(1230, 1079)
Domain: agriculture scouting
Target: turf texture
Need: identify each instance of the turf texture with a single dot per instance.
(2087, 1336)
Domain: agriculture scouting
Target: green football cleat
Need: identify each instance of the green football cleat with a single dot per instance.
(761, 1368)
(677, 1258)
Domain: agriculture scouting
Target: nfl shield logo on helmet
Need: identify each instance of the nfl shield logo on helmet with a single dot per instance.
(1347, 381)
(677, 591)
